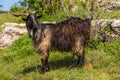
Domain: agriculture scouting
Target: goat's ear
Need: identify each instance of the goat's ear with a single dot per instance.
(39, 16)
(24, 19)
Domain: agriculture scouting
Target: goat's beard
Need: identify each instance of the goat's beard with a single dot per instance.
(32, 33)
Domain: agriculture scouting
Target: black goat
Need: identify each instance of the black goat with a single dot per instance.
(72, 35)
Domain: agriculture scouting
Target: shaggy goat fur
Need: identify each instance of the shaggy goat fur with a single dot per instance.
(72, 35)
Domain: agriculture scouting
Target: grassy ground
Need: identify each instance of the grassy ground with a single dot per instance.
(8, 17)
(20, 62)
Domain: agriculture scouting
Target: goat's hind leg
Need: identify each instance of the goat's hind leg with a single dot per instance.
(79, 63)
(44, 61)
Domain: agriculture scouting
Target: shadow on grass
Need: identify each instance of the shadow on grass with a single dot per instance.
(55, 64)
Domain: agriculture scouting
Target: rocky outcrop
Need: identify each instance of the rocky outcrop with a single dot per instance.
(105, 29)
(116, 27)
(10, 33)
(114, 5)
(109, 4)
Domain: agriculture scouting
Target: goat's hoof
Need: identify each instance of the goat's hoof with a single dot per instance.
(80, 65)
(45, 69)
(42, 72)
(73, 65)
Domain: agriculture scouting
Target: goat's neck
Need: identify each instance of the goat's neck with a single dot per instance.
(37, 39)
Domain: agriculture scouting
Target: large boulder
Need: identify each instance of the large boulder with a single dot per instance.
(116, 26)
(113, 5)
(105, 29)
(109, 4)
(10, 33)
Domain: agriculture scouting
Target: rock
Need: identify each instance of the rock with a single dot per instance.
(108, 37)
(116, 26)
(21, 25)
(114, 5)
(49, 22)
(14, 30)
(108, 5)
(99, 25)
(10, 33)
(9, 24)
(105, 29)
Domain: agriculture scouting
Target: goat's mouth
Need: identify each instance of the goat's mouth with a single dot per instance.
(32, 33)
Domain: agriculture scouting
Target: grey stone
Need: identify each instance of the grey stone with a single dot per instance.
(116, 26)
(10, 33)
(98, 29)
(114, 5)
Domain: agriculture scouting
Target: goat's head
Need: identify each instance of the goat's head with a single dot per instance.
(31, 22)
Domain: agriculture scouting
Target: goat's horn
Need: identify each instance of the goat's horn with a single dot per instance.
(17, 15)
(35, 11)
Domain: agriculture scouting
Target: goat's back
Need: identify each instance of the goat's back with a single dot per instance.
(66, 33)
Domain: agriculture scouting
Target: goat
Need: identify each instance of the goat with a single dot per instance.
(72, 35)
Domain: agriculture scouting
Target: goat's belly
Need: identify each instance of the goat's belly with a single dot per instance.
(62, 46)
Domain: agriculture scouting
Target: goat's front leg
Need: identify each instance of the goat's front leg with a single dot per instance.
(44, 61)
(80, 61)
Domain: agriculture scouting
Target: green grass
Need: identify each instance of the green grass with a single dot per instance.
(20, 62)
(8, 17)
